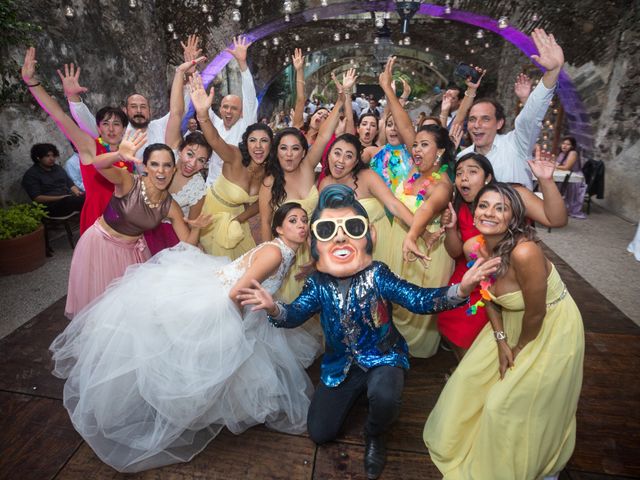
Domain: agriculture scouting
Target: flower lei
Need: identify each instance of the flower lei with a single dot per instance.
(485, 284)
(434, 177)
(107, 147)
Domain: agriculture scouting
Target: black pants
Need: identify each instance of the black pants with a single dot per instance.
(330, 406)
(65, 206)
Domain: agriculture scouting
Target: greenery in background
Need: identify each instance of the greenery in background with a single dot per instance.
(21, 219)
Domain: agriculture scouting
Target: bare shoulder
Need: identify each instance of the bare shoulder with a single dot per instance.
(267, 181)
(525, 252)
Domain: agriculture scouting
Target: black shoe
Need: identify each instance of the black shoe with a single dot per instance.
(375, 456)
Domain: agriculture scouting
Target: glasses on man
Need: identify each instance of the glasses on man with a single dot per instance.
(355, 227)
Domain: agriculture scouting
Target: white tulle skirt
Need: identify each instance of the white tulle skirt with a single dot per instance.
(163, 360)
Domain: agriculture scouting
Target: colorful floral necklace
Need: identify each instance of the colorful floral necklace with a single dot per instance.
(485, 284)
(107, 147)
(433, 178)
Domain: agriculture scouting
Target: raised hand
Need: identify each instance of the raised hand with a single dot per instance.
(476, 85)
(239, 50)
(406, 89)
(29, 66)
(297, 59)
(257, 296)
(449, 218)
(349, 80)
(201, 221)
(386, 77)
(130, 144)
(479, 271)
(542, 166)
(201, 101)
(550, 54)
(191, 50)
(190, 65)
(522, 87)
(456, 133)
(71, 81)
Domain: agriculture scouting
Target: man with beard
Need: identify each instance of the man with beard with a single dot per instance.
(508, 153)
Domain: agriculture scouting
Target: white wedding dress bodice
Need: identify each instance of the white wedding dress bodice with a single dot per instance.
(164, 360)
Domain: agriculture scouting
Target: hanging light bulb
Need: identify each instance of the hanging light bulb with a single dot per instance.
(205, 8)
(287, 17)
(170, 27)
(376, 41)
(413, 73)
(347, 36)
(296, 37)
(407, 40)
(334, 59)
(447, 57)
(387, 15)
(352, 61)
(175, 36)
(238, 3)
(276, 41)
(379, 22)
(472, 51)
(336, 37)
(265, 43)
(535, 17)
(447, 9)
(480, 34)
(133, 4)
(356, 44)
(235, 15)
(288, 6)
(317, 60)
(466, 42)
(314, 17)
(323, 3)
(69, 12)
(308, 49)
(503, 22)
(209, 19)
(431, 64)
(426, 49)
(487, 45)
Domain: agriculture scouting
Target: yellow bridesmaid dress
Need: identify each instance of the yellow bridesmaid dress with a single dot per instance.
(420, 331)
(379, 220)
(521, 427)
(291, 287)
(225, 236)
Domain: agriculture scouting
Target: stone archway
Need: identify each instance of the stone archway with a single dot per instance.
(573, 106)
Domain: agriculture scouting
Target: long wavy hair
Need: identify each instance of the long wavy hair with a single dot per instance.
(246, 158)
(274, 169)
(484, 163)
(359, 165)
(518, 228)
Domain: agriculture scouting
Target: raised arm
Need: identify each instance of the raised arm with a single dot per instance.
(266, 210)
(249, 100)
(469, 95)
(173, 135)
(202, 104)
(551, 210)
(298, 65)
(83, 142)
(404, 126)
(127, 149)
(348, 81)
(187, 230)
(379, 189)
(522, 87)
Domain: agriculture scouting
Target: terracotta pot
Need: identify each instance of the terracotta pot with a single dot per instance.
(22, 254)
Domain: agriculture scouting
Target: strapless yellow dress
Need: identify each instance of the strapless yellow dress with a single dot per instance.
(420, 331)
(291, 287)
(225, 236)
(523, 426)
(379, 220)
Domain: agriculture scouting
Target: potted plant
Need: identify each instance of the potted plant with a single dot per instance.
(22, 246)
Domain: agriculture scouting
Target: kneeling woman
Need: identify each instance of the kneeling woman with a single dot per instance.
(165, 359)
(492, 421)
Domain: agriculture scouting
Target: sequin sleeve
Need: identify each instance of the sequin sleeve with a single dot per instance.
(301, 309)
(412, 297)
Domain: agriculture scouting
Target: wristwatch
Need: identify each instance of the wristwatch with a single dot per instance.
(500, 335)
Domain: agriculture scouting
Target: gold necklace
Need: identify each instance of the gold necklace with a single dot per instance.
(146, 199)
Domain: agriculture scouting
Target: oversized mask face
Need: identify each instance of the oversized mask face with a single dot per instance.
(341, 236)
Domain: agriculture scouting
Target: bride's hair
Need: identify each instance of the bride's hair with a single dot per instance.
(281, 214)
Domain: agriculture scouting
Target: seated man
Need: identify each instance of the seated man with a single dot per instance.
(48, 183)
(364, 353)
(508, 153)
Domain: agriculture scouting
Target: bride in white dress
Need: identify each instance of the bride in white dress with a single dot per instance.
(165, 358)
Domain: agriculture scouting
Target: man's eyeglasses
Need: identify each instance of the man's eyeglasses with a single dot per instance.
(325, 229)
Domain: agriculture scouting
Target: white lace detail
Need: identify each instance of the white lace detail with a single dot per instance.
(191, 193)
(230, 274)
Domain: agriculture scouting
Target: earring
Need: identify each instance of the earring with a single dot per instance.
(438, 159)
(487, 182)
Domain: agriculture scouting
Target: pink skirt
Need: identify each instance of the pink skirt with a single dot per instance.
(98, 259)
(161, 237)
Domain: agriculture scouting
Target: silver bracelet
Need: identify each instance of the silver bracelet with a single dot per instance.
(500, 335)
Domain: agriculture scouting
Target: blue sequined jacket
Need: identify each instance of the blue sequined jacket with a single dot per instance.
(356, 317)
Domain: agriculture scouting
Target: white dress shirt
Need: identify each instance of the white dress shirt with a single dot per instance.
(509, 152)
(233, 136)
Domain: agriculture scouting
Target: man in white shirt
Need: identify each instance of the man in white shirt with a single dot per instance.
(508, 153)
